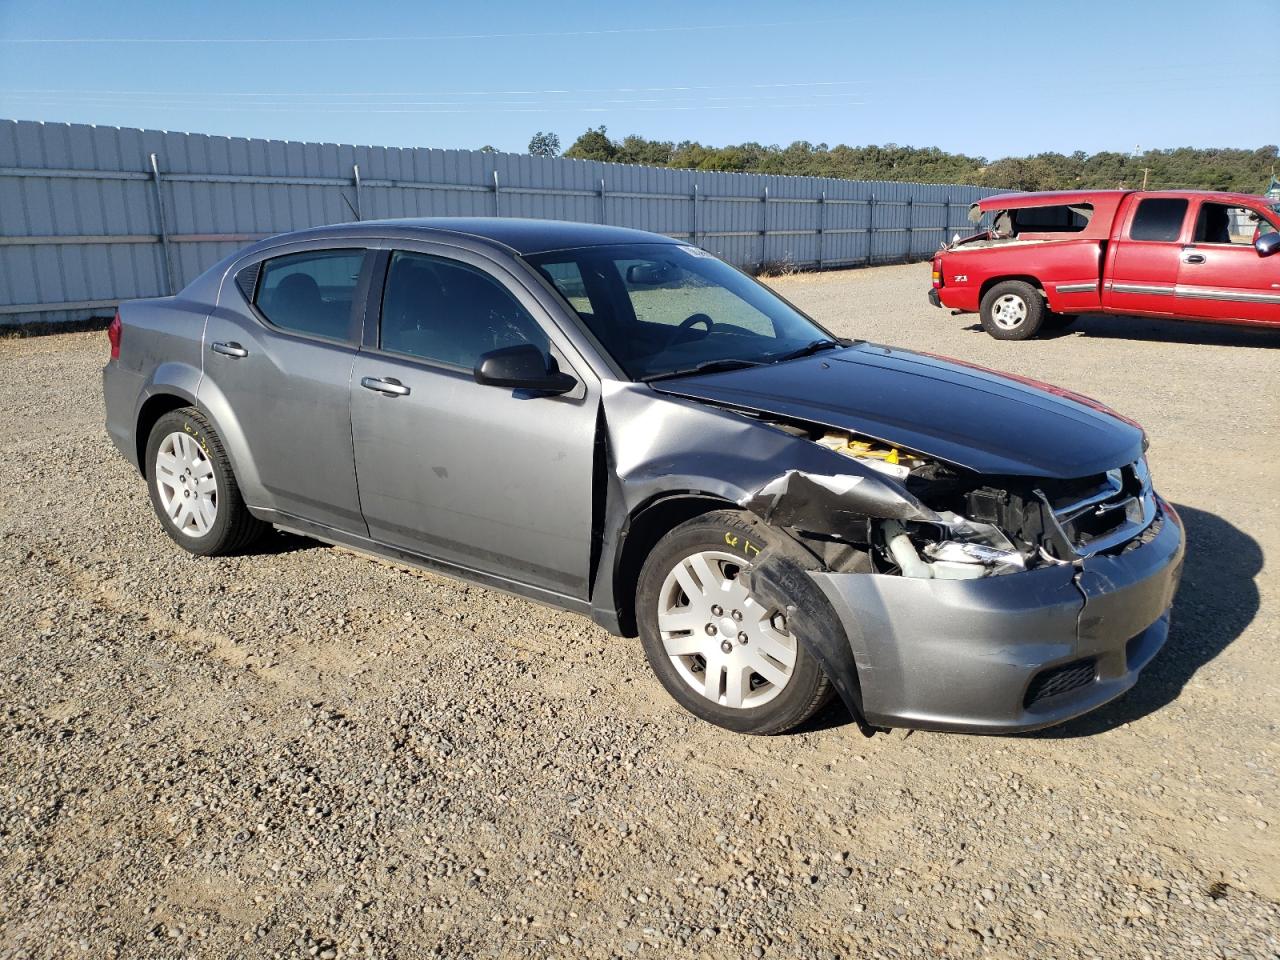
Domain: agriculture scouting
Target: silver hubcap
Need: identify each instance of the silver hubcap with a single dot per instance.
(724, 644)
(188, 490)
(1009, 311)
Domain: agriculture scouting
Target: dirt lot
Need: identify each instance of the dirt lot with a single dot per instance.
(309, 753)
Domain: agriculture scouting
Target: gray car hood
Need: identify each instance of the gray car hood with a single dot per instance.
(968, 416)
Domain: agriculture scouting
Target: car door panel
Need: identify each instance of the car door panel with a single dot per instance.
(1143, 267)
(289, 397)
(477, 476)
(1231, 282)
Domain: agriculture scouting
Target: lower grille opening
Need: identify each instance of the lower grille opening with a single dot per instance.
(1059, 680)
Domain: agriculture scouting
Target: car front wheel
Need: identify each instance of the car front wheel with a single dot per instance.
(720, 652)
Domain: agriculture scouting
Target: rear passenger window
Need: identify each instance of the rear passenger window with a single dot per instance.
(1158, 218)
(311, 292)
(442, 310)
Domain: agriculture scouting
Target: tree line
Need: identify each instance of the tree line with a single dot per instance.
(1208, 168)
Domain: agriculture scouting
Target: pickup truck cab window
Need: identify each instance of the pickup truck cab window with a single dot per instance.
(310, 293)
(441, 310)
(1158, 219)
(1223, 223)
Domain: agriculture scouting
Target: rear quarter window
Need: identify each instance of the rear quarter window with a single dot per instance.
(1159, 219)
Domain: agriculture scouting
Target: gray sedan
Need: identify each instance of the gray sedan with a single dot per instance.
(621, 425)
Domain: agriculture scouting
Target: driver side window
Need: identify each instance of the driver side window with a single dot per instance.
(1220, 223)
(445, 311)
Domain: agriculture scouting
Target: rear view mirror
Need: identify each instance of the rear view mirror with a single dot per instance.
(522, 367)
(650, 274)
(1267, 244)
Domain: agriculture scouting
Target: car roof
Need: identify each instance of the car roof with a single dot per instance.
(1050, 198)
(519, 236)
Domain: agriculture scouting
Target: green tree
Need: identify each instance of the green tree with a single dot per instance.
(593, 145)
(544, 145)
(1246, 170)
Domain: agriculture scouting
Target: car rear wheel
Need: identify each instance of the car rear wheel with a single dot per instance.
(721, 653)
(192, 488)
(1012, 310)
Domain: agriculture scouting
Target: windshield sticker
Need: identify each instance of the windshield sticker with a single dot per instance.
(698, 252)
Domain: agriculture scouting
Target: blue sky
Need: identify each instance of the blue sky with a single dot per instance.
(985, 77)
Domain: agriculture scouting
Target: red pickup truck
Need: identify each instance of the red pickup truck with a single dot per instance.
(1048, 257)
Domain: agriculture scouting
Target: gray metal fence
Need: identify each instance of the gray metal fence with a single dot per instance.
(93, 215)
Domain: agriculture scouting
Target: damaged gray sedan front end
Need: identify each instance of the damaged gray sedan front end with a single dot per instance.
(1007, 587)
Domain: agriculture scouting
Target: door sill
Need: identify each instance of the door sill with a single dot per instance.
(383, 551)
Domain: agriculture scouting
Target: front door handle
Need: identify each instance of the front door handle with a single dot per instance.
(385, 385)
(231, 349)
(1193, 258)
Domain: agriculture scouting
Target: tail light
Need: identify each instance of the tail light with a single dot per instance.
(113, 334)
(937, 272)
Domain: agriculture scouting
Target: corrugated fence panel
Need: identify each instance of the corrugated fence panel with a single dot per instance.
(86, 220)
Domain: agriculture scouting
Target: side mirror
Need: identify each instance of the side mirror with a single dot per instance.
(522, 367)
(1267, 244)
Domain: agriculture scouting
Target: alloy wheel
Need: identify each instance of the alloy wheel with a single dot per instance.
(1009, 311)
(186, 484)
(724, 644)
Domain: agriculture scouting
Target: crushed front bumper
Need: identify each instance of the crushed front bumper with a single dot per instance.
(1009, 653)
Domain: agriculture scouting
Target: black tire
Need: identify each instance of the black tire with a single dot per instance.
(728, 532)
(1059, 321)
(233, 527)
(1021, 297)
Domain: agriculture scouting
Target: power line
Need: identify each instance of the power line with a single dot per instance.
(460, 93)
(740, 25)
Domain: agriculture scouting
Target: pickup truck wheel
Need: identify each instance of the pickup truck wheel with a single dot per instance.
(1012, 310)
(721, 653)
(192, 488)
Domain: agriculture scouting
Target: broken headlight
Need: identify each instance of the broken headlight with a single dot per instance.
(955, 549)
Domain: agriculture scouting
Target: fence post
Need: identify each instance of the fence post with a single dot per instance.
(822, 225)
(693, 233)
(764, 227)
(164, 227)
(497, 189)
(355, 175)
(907, 258)
(604, 206)
(871, 228)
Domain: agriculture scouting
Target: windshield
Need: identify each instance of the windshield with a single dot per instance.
(664, 309)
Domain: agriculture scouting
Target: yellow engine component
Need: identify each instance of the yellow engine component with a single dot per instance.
(860, 448)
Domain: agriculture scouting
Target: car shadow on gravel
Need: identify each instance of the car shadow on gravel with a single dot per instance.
(1217, 600)
(1153, 330)
(281, 542)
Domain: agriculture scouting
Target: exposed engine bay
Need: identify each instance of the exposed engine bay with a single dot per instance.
(979, 526)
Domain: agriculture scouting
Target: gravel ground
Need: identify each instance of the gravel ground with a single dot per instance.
(306, 752)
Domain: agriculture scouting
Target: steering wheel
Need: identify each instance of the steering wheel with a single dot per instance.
(687, 324)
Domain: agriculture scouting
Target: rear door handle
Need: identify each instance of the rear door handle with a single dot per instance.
(1193, 258)
(385, 385)
(231, 349)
